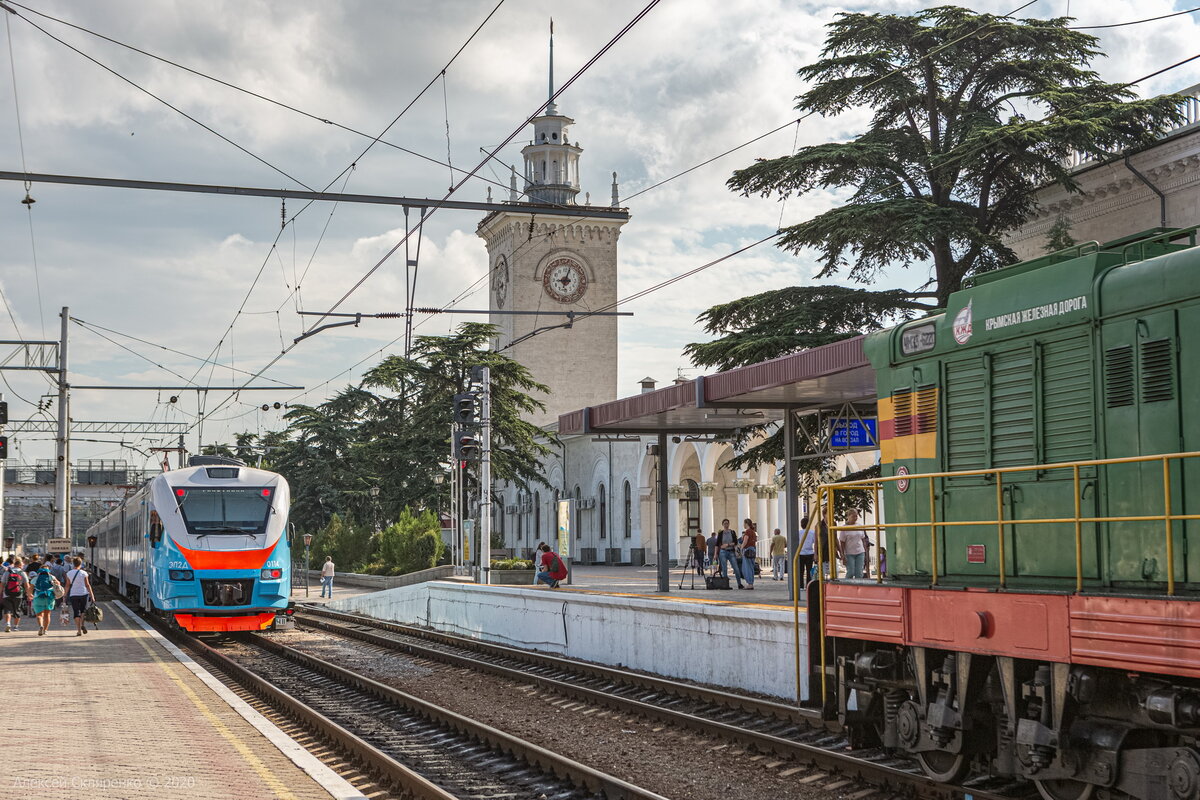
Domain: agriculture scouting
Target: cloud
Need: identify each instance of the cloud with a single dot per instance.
(214, 274)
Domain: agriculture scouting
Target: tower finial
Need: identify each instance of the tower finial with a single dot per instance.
(550, 106)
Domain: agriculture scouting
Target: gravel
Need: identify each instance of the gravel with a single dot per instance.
(674, 763)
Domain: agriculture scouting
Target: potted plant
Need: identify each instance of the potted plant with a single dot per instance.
(512, 572)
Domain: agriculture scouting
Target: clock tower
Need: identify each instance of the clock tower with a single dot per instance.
(547, 264)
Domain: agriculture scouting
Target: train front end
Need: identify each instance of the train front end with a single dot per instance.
(219, 558)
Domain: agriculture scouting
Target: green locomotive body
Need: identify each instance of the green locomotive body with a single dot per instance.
(1074, 357)
(1040, 619)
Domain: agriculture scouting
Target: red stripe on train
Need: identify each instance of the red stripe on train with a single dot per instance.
(225, 559)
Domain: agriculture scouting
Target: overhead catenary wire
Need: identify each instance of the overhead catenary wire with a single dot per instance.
(28, 201)
(583, 69)
(163, 101)
(675, 279)
(473, 287)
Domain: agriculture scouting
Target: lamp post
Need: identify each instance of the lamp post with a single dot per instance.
(307, 561)
(375, 506)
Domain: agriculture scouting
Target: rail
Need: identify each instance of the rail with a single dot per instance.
(827, 494)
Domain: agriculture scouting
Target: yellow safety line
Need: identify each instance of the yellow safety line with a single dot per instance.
(278, 788)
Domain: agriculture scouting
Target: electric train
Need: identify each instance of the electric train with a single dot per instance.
(205, 547)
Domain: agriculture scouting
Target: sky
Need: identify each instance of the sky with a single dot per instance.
(216, 277)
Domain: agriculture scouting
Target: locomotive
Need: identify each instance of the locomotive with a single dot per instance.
(1040, 491)
(206, 547)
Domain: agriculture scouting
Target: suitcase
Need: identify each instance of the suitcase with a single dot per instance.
(716, 582)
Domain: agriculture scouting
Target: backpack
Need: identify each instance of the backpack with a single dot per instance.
(12, 583)
(556, 564)
(44, 587)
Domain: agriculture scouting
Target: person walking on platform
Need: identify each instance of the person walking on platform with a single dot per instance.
(59, 571)
(552, 569)
(327, 570)
(749, 552)
(45, 594)
(778, 555)
(727, 552)
(712, 549)
(851, 549)
(14, 587)
(808, 550)
(79, 592)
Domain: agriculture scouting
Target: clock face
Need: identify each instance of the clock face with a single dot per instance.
(564, 280)
(500, 280)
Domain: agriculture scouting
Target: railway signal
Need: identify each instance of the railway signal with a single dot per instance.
(3, 412)
(3, 447)
(464, 408)
(467, 447)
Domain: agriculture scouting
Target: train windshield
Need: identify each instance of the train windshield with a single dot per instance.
(225, 512)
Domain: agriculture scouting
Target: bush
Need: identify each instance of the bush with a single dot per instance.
(413, 543)
(512, 563)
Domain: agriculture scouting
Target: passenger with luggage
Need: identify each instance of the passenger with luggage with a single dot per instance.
(14, 588)
(551, 567)
(727, 542)
(59, 570)
(79, 593)
(749, 552)
(46, 591)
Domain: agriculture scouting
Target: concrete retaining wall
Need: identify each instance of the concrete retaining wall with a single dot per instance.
(748, 649)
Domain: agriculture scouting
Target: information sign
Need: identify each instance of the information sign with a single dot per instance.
(977, 554)
(468, 529)
(58, 546)
(853, 433)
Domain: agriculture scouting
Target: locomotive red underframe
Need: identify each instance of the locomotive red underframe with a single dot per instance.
(1134, 634)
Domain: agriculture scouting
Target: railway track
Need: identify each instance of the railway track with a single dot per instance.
(762, 725)
(417, 748)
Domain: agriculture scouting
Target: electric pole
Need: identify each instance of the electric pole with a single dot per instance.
(62, 476)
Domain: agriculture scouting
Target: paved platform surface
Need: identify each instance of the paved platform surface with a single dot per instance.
(112, 714)
(644, 581)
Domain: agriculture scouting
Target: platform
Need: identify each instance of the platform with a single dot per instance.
(643, 581)
(114, 714)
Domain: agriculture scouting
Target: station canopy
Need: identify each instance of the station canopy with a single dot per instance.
(834, 377)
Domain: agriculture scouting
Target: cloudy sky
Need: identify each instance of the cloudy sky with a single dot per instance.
(215, 276)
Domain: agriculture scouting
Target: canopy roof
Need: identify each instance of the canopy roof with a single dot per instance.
(832, 375)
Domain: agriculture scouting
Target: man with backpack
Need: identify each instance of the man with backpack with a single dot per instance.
(14, 589)
(553, 569)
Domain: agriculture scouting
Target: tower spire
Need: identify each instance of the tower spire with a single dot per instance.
(550, 106)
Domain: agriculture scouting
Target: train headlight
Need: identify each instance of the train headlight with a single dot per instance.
(182, 574)
(271, 574)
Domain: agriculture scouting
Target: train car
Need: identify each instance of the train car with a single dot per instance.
(1040, 493)
(206, 547)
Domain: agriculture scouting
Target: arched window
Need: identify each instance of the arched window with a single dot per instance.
(628, 512)
(552, 528)
(602, 503)
(691, 505)
(578, 527)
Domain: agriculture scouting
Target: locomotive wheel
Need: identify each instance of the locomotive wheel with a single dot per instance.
(946, 767)
(1065, 789)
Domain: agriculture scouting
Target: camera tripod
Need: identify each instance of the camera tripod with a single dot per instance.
(690, 566)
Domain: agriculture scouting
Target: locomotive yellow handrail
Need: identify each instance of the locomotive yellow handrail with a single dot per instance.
(826, 494)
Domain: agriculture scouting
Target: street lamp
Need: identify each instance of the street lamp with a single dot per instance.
(375, 506)
(91, 540)
(307, 562)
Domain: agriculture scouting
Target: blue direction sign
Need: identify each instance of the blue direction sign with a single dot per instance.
(853, 433)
